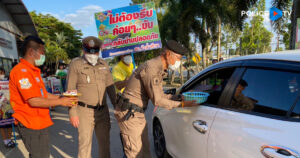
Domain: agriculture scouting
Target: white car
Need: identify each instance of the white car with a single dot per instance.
(253, 111)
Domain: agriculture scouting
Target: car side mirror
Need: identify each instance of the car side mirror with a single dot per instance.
(170, 91)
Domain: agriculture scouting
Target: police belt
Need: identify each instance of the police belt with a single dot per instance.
(130, 106)
(97, 107)
(124, 104)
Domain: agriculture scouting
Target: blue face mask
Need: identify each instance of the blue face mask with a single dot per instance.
(40, 61)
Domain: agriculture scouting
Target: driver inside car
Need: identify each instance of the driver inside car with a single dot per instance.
(240, 100)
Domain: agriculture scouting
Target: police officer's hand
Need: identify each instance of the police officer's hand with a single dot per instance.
(186, 103)
(117, 112)
(189, 103)
(74, 121)
(69, 101)
(117, 108)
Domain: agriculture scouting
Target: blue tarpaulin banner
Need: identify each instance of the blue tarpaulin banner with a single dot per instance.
(128, 30)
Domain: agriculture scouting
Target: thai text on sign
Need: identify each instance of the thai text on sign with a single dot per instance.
(128, 30)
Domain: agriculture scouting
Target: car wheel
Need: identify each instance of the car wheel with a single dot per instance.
(159, 141)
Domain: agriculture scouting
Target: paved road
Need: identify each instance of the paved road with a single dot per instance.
(64, 138)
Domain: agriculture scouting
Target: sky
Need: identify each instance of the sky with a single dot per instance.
(80, 13)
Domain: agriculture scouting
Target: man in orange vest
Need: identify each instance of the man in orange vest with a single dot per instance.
(30, 100)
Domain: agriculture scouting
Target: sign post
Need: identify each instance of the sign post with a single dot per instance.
(128, 30)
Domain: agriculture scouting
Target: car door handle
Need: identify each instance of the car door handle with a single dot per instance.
(200, 126)
(273, 151)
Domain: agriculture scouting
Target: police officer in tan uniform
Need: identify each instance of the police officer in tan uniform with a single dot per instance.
(144, 84)
(91, 77)
(239, 100)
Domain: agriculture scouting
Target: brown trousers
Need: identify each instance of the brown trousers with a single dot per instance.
(134, 133)
(90, 119)
(36, 141)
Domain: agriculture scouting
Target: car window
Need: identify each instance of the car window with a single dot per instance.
(296, 111)
(214, 84)
(266, 91)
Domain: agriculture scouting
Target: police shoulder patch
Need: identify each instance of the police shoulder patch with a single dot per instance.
(25, 84)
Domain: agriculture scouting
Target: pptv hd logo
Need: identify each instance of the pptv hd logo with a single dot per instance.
(274, 13)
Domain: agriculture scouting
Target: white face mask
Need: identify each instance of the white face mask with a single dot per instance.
(91, 58)
(127, 59)
(2, 77)
(175, 66)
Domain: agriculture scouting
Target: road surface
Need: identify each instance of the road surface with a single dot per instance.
(64, 137)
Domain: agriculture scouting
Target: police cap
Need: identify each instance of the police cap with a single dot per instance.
(243, 83)
(91, 44)
(176, 47)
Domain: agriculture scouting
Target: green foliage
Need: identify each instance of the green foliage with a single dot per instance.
(287, 35)
(179, 19)
(62, 37)
(143, 56)
(55, 53)
(256, 38)
(282, 26)
(230, 38)
(201, 18)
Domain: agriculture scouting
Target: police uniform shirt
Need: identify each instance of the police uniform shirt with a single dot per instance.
(242, 102)
(92, 82)
(147, 83)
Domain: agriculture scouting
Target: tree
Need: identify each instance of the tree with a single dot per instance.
(51, 29)
(256, 38)
(230, 37)
(54, 54)
(224, 12)
(295, 15)
(282, 27)
(285, 5)
(287, 35)
(143, 56)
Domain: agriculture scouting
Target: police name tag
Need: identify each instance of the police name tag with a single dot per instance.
(102, 68)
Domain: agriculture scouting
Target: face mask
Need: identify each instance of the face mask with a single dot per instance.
(175, 66)
(40, 61)
(91, 58)
(2, 77)
(127, 59)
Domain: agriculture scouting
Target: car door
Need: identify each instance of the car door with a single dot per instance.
(187, 129)
(257, 121)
